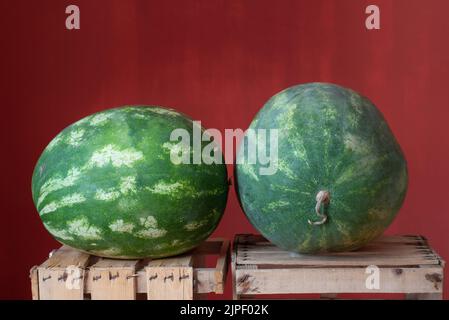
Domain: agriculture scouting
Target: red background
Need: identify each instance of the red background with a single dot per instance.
(218, 61)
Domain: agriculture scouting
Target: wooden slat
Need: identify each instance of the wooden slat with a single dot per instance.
(329, 260)
(337, 280)
(407, 264)
(64, 257)
(104, 263)
(123, 279)
(405, 239)
(386, 251)
(61, 277)
(199, 262)
(374, 248)
(113, 280)
(141, 281)
(185, 260)
(204, 280)
(170, 279)
(221, 268)
(272, 260)
(234, 251)
(34, 277)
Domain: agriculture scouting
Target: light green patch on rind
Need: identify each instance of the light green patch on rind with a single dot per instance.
(285, 169)
(343, 229)
(166, 112)
(111, 154)
(151, 229)
(76, 137)
(100, 119)
(151, 233)
(121, 226)
(107, 195)
(177, 148)
(57, 183)
(276, 205)
(280, 100)
(181, 189)
(248, 169)
(56, 141)
(58, 233)
(195, 225)
(356, 144)
(165, 188)
(128, 185)
(81, 228)
(149, 222)
(66, 201)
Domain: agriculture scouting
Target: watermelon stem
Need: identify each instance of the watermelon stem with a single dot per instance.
(322, 198)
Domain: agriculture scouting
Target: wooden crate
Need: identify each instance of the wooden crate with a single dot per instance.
(69, 274)
(406, 264)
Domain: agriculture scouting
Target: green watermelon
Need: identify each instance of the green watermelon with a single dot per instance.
(106, 185)
(341, 175)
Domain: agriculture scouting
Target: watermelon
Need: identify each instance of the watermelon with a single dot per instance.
(106, 185)
(340, 177)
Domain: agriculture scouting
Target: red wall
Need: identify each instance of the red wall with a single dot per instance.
(218, 61)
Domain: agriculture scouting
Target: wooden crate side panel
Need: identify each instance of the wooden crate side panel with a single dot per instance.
(62, 276)
(169, 283)
(385, 251)
(291, 259)
(407, 239)
(185, 260)
(337, 280)
(221, 268)
(204, 280)
(34, 277)
(388, 255)
(67, 275)
(199, 263)
(234, 252)
(113, 280)
(61, 283)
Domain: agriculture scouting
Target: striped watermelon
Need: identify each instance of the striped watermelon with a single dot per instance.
(341, 176)
(106, 185)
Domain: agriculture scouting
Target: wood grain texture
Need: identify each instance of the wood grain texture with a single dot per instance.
(113, 280)
(406, 264)
(62, 276)
(70, 274)
(386, 251)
